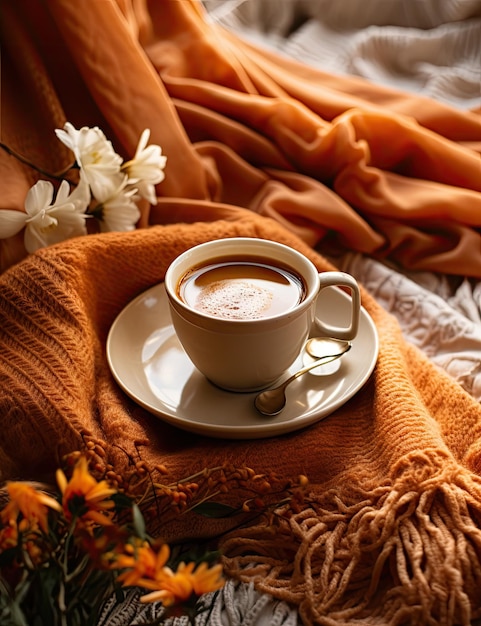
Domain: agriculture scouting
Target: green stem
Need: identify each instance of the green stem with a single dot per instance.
(22, 159)
(80, 567)
(65, 574)
(61, 604)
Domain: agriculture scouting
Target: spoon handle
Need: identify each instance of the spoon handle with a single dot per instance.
(272, 401)
(322, 361)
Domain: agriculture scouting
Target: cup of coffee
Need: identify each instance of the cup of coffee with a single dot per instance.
(243, 308)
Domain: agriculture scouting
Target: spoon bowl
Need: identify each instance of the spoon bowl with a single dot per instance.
(272, 401)
(320, 347)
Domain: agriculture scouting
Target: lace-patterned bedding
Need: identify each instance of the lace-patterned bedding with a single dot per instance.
(441, 318)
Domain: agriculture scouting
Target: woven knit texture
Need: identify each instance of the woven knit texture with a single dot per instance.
(390, 528)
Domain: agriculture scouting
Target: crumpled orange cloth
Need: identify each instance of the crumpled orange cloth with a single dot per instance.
(389, 529)
(342, 163)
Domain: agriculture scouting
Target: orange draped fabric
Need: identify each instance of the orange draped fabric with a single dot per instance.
(341, 162)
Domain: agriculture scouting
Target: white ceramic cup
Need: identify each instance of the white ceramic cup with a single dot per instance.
(250, 354)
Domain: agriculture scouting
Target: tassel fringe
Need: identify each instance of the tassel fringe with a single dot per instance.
(408, 552)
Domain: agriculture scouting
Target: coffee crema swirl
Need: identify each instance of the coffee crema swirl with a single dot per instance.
(241, 288)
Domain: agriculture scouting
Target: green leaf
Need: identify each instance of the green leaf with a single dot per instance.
(139, 523)
(17, 618)
(44, 596)
(215, 509)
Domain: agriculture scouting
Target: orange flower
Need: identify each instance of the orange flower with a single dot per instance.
(177, 587)
(24, 534)
(205, 578)
(8, 536)
(146, 567)
(31, 503)
(101, 546)
(84, 497)
(143, 564)
(172, 587)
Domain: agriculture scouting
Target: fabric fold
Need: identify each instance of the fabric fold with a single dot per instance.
(389, 160)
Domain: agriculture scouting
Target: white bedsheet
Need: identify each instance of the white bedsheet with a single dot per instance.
(431, 47)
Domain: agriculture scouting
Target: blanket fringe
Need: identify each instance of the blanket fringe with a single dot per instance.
(406, 552)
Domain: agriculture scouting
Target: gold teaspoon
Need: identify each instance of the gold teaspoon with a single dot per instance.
(272, 401)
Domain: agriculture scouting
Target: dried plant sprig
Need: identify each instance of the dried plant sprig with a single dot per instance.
(220, 491)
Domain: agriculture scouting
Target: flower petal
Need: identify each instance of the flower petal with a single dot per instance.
(145, 170)
(34, 239)
(68, 136)
(93, 152)
(144, 138)
(38, 197)
(11, 222)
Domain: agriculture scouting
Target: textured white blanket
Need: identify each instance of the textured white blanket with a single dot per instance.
(431, 47)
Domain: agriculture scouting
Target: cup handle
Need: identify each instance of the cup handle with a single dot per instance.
(329, 279)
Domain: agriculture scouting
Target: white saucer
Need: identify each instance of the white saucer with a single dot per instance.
(150, 365)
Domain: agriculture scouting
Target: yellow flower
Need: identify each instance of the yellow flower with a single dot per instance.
(172, 587)
(84, 497)
(31, 503)
(205, 578)
(24, 521)
(142, 563)
(177, 587)
(28, 540)
(146, 567)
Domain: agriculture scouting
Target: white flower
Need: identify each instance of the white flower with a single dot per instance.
(46, 223)
(117, 210)
(93, 152)
(12, 222)
(114, 186)
(146, 168)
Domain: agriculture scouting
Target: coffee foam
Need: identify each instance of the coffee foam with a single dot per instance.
(234, 299)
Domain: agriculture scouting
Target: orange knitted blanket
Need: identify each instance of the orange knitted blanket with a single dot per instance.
(389, 530)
